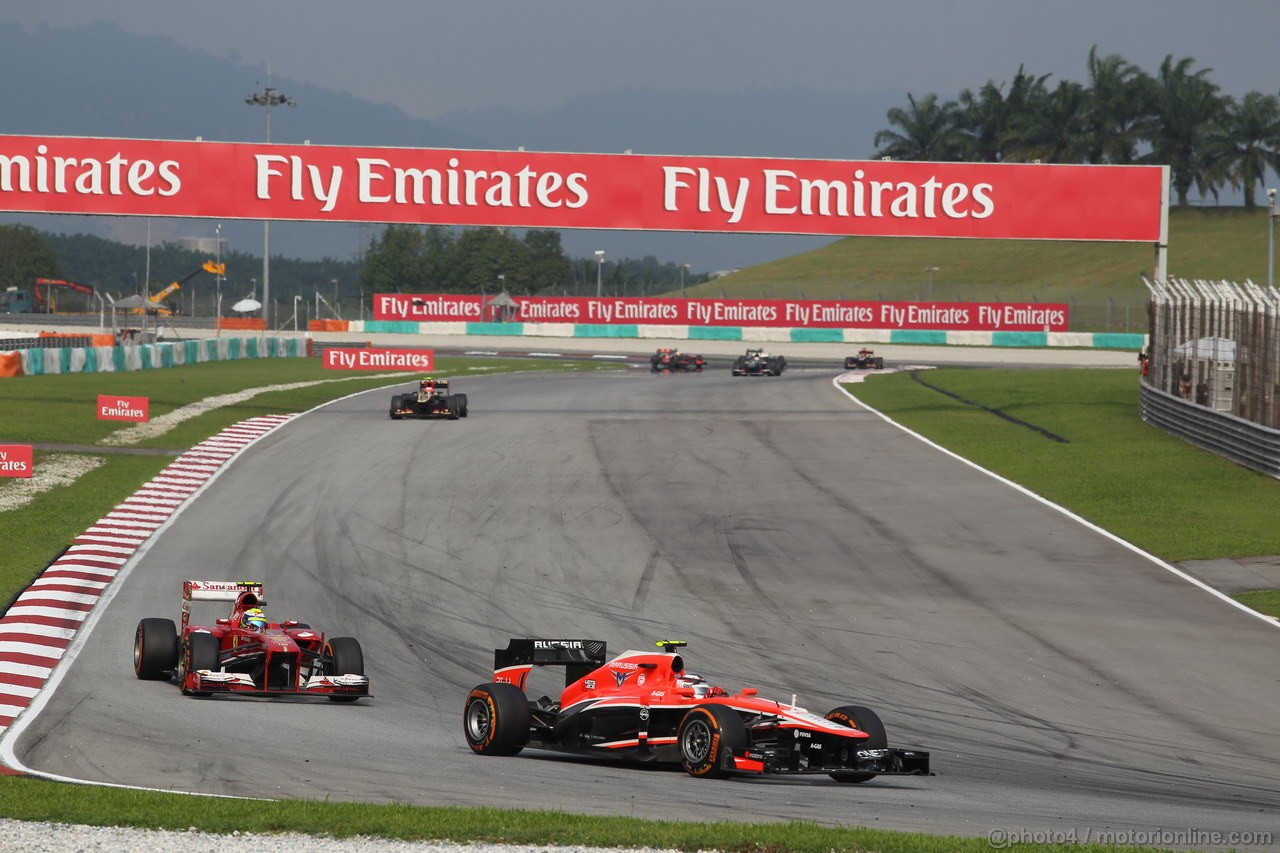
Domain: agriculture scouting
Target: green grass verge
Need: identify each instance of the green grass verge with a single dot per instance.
(1151, 489)
(38, 800)
(1116, 471)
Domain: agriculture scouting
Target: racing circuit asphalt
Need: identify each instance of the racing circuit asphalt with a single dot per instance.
(800, 544)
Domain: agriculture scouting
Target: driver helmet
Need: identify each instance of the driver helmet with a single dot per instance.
(254, 619)
(427, 384)
(699, 684)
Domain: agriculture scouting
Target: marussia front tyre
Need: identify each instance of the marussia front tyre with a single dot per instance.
(495, 719)
(708, 737)
(865, 719)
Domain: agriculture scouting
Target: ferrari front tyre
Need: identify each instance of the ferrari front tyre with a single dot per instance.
(864, 719)
(199, 651)
(155, 649)
(495, 719)
(708, 736)
(345, 658)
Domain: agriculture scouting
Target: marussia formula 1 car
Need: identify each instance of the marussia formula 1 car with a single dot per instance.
(431, 400)
(757, 362)
(246, 655)
(865, 360)
(669, 358)
(644, 706)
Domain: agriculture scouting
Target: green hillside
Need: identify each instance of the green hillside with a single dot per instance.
(1099, 280)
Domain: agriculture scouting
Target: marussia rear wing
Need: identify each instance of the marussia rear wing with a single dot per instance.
(220, 591)
(579, 657)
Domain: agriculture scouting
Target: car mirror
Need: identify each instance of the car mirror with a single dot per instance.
(748, 691)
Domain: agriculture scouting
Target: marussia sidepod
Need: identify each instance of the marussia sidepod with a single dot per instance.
(644, 706)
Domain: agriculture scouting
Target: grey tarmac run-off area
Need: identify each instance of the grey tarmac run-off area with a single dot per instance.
(798, 542)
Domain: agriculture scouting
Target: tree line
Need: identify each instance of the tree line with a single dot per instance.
(402, 259)
(1121, 115)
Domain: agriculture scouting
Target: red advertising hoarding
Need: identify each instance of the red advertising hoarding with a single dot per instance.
(137, 409)
(224, 180)
(767, 313)
(16, 460)
(379, 358)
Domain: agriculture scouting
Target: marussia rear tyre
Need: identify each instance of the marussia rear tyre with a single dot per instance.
(495, 719)
(858, 717)
(708, 735)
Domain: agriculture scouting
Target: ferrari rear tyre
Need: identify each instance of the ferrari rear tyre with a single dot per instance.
(708, 735)
(495, 719)
(199, 651)
(345, 658)
(858, 717)
(155, 649)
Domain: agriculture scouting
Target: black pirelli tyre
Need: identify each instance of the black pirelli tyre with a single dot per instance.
(155, 649)
(708, 735)
(858, 717)
(345, 658)
(495, 719)
(199, 651)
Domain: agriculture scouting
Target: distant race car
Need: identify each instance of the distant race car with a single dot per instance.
(644, 706)
(669, 358)
(245, 654)
(757, 362)
(865, 360)
(431, 400)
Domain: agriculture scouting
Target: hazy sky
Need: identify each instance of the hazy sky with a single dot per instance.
(429, 57)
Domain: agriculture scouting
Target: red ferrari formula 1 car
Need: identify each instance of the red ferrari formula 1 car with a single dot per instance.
(670, 358)
(644, 706)
(245, 654)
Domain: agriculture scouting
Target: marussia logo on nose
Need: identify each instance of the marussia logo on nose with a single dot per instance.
(620, 677)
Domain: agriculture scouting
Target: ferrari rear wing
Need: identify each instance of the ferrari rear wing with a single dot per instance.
(578, 657)
(220, 591)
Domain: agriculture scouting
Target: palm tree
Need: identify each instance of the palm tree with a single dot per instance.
(989, 118)
(1250, 143)
(1181, 133)
(926, 130)
(1122, 98)
(1052, 128)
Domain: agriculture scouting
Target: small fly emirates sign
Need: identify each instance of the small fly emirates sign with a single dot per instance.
(374, 358)
(15, 460)
(111, 408)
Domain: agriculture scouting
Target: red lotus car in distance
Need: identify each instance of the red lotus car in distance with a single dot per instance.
(644, 706)
(244, 653)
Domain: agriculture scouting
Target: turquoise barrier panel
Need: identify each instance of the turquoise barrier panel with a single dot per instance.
(817, 336)
(64, 360)
(592, 330)
(1118, 340)
(493, 328)
(233, 348)
(118, 359)
(1019, 339)
(402, 327)
(91, 360)
(35, 362)
(917, 336)
(715, 333)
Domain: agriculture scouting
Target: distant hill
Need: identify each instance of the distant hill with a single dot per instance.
(1101, 281)
(101, 81)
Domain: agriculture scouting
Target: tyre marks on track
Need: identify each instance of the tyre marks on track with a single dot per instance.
(42, 621)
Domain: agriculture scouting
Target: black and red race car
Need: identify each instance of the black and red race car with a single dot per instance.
(244, 654)
(865, 360)
(431, 400)
(670, 358)
(644, 706)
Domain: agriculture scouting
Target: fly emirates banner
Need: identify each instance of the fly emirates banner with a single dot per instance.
(224, 180)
